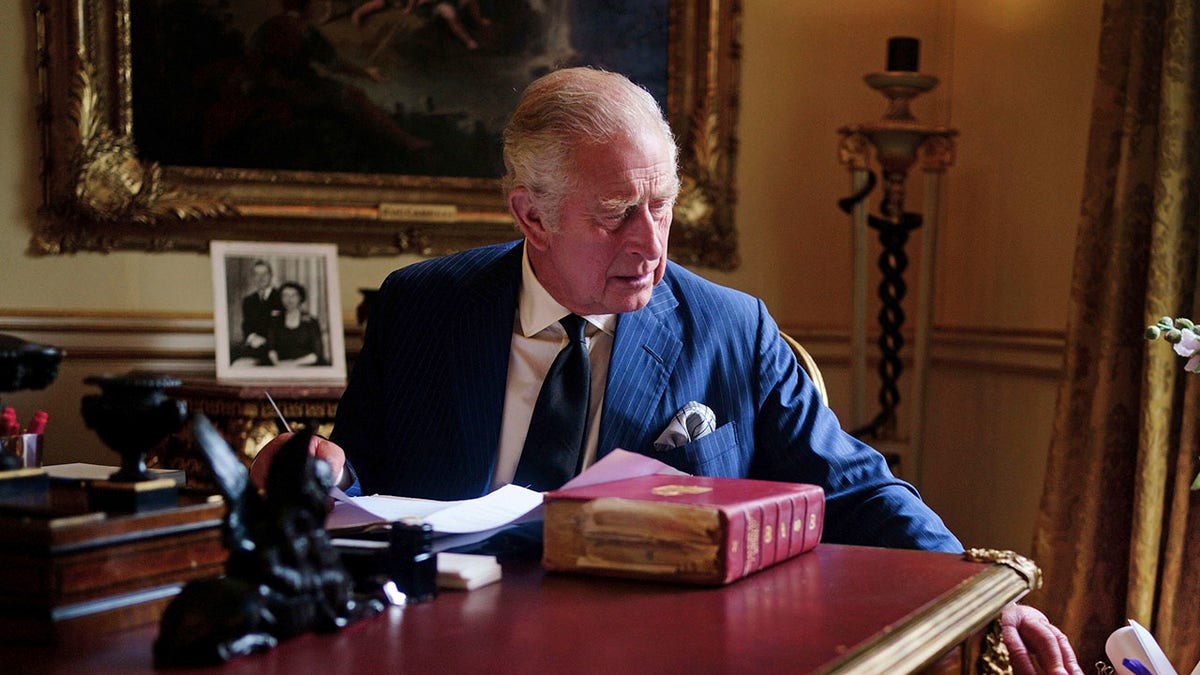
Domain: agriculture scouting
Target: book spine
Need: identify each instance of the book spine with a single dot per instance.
(770, 542)
(814, 521)
(783, 532)
(766, 532)
(796, 526)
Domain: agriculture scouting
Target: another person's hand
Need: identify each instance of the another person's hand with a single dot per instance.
(1036, 645)
(317, 447)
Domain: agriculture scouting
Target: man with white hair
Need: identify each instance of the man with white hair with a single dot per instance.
(446, 398)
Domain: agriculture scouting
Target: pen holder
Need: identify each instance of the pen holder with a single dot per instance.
(23, 482)
(25, 447)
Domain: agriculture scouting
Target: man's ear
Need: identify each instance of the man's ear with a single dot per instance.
(529, 219)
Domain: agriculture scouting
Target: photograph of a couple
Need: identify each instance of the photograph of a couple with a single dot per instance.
(277, 312)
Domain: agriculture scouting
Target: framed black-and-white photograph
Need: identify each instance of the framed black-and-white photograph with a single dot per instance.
(277, 312)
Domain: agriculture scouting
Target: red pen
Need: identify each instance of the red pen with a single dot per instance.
(37, 423)
(8, 422)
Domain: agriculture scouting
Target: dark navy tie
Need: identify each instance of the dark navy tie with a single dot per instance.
(553, 449)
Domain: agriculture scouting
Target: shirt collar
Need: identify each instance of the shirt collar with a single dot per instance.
(537, 309)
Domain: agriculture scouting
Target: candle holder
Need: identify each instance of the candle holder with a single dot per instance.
(896, 143)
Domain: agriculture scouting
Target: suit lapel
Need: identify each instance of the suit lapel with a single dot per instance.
(645, 350)
(481, 346)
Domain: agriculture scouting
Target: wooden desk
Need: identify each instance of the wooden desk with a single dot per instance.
(836, 609)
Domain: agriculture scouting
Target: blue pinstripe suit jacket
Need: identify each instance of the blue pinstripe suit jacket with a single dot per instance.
(421, 413)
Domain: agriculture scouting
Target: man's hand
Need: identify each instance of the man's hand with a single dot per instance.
(317, 447)
(1035, 644)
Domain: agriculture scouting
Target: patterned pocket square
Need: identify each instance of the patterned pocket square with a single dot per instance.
(693, 422)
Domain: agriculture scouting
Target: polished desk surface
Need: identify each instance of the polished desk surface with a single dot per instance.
(815, 613)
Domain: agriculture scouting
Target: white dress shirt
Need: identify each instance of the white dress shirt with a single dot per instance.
(537, 339)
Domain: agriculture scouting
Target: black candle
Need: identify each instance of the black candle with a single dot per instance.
(903, 54)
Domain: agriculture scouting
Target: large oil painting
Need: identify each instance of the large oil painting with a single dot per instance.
(372, 124)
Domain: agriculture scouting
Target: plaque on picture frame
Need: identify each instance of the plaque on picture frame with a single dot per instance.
(277, 312)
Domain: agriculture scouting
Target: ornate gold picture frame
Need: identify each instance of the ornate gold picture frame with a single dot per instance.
(99, 194)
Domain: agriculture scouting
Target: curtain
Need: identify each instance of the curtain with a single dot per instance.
(1117, 533)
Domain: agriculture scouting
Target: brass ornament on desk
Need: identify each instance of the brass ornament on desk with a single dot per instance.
(1026, 568)
(994, 658)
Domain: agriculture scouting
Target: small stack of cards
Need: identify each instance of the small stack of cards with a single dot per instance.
(463, 571)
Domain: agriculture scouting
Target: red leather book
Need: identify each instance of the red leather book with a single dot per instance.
(692, 529)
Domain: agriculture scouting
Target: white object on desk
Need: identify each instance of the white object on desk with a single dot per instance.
(464, 571)
(498, 508)
(1135, 642)
(83, 471)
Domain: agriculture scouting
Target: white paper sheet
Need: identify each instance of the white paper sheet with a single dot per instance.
(501, 507)
(493, 510)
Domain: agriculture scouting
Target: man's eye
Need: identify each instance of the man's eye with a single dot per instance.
(617, 217)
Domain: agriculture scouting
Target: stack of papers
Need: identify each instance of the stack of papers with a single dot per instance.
(455, 523)
(472, 520)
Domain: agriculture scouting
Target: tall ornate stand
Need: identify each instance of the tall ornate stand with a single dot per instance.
(897, 142)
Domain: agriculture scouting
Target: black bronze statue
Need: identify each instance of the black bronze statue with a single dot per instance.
(283, 576)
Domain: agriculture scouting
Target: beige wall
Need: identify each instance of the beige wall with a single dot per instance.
(1016, 81)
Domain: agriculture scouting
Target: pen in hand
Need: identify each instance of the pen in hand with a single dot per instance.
(282, 424)
(280, 421)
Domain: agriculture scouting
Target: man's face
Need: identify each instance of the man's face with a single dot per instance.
(262, 277)
(609, 248)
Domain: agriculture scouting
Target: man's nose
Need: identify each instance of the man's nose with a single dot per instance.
(644, 235)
